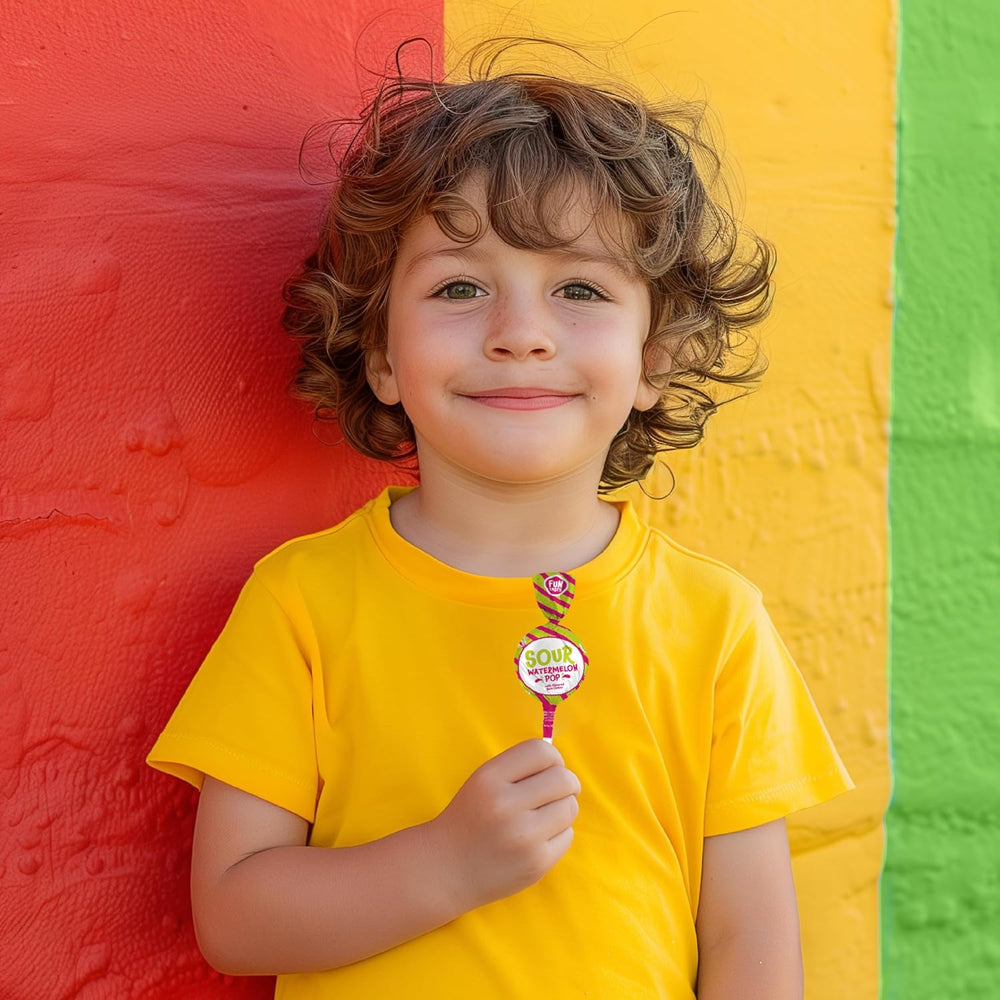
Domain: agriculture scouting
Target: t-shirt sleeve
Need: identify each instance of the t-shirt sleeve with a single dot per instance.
(771, 754)
(246, 717)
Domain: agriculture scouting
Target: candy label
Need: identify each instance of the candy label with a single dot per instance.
(551, 665)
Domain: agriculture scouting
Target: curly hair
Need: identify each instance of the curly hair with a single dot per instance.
(526, 136)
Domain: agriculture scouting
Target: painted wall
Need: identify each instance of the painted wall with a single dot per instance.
(149, 453)
(941, 892)
(151, 211)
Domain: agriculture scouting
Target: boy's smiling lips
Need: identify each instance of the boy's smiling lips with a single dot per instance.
(521, 397)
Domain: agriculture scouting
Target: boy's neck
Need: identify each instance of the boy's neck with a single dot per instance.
(507, 530)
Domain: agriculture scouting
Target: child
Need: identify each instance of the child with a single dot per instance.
(523, 282)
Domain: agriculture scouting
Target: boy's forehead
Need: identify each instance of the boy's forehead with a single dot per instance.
(426, 239)
(417, 252)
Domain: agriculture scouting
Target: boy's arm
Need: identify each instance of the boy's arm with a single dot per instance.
(748, 921)
(265, 903)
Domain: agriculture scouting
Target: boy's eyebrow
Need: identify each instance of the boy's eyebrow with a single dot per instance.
(471, 253)
(615, 261)
(424, 256)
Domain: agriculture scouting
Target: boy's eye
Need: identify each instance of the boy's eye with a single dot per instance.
(581, 292)
(459, 290)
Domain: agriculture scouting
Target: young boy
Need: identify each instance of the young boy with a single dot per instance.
(523, 281)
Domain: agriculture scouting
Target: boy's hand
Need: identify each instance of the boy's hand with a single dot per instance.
(508, 824)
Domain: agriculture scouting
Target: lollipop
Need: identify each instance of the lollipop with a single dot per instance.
(550, 659)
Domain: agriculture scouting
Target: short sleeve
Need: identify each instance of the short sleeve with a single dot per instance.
(246, 717)
(771, 754)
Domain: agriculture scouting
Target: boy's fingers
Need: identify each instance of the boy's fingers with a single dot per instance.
(559, 844)
(555, 818)
(550, 785)
(525, 759)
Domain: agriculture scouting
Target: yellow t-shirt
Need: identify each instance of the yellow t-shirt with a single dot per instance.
(359, 682)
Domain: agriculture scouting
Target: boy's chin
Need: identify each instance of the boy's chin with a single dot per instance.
(521, 475)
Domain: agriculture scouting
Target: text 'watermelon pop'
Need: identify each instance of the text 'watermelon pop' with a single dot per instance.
(550, 659)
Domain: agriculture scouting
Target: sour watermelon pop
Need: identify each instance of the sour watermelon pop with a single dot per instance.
(550, 660)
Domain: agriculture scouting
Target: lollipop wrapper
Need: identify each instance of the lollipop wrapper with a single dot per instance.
(551, 661)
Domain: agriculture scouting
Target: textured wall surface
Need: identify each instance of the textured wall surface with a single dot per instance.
(149, 455)
(941, 893)
(151, 211)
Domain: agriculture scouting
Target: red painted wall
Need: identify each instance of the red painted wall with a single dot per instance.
(151, 209)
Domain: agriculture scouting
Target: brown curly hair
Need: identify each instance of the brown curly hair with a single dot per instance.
(527, 136)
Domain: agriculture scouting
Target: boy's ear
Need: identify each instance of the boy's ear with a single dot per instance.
(657, 361)
(646, 395)
(381, 377)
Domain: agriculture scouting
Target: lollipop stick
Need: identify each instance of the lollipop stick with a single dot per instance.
(548, 721)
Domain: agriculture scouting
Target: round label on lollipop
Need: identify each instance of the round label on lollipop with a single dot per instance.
(551, 665)
(550, 659)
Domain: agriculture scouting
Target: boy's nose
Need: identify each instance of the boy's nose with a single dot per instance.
(519, 333)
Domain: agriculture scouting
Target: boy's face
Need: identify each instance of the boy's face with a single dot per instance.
(513, 366)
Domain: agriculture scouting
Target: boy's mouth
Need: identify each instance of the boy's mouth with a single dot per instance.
(521, 398)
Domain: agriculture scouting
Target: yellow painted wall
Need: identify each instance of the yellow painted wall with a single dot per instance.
(790, 485)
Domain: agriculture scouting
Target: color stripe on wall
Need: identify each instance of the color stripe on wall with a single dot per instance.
(941, 904)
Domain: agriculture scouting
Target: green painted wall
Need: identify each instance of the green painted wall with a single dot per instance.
(941, 889)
